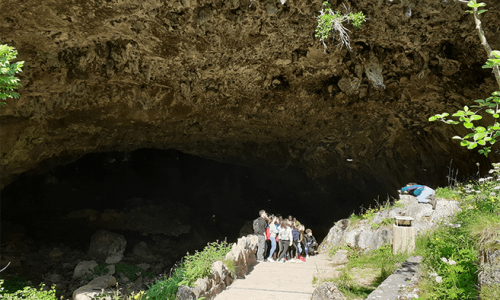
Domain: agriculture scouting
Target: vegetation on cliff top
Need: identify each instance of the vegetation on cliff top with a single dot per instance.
(332, 22)
(8, 82)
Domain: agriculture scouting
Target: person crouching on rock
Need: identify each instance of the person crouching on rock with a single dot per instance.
(311, 243)
(423, 193)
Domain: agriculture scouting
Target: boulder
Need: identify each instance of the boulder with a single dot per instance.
(201, 286)
(83, 268)
(327, 291)
(107, 246)
(55, 279)
(96, 287)
(219, 271)
(340, 257)
(141, 249)
(185, 293)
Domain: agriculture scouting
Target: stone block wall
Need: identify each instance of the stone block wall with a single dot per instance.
(243, 255)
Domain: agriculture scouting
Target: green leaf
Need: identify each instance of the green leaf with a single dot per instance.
(482, 11)
(456, 137)
(490, 111)
(464, 143)
(481, 142)
(472, 145)
(479, 136)
(468, 125)
(458, 113)
(433, 118)
(475, 117)
(480, 129)
(496, 116)
(466, 108)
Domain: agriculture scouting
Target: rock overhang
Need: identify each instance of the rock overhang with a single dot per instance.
(242, 84)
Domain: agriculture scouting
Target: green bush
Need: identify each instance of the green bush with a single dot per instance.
(195, 266)
(449, 253)
(28, 293)
(198, 265)
(13, 284)
(167, 288)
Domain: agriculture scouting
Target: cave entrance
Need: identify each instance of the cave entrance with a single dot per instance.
(219, 197)
(171, 201)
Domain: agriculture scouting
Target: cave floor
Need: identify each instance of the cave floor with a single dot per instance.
(293, 281)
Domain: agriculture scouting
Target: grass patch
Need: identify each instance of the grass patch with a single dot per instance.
(349, 287)
(377, 259)
(447, 193)
(365, 271)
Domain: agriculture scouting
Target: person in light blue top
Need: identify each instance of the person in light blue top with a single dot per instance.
(423, 193)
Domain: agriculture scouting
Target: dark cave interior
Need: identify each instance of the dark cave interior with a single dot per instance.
(174, 202)
(218, 197)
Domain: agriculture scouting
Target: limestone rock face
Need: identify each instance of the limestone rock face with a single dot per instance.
(243, 83)
(372, 233)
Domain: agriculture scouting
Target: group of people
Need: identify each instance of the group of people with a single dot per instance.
(282, 240)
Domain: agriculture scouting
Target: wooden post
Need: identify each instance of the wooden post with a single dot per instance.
(403, 235)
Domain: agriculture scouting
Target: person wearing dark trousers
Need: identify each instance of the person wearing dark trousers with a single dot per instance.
(259, 227)
(285, 237)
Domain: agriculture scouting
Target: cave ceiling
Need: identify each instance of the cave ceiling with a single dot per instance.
(244, 82)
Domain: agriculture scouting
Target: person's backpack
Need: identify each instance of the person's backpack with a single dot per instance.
(257, 227)
(295, 235)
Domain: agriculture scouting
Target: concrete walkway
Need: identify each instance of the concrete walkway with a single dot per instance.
(290, 281)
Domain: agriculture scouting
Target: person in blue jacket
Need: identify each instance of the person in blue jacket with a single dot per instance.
(423, 193)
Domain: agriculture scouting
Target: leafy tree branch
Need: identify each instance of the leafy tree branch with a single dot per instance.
(481, 136)
(8, 82)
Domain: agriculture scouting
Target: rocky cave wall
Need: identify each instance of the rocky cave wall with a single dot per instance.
(245, 82)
